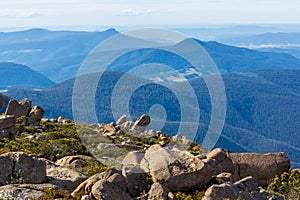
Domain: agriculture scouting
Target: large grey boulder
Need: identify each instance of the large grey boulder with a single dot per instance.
(35, 115)
(159, 191)
(25, 191)
(121, 120)
(262, 167)
(141, 123)
(178, 170)
(7, 167)
(86, 186)
(7, 126)
(106, 190)
(18, 109)
(135, 180)
(133, 158)
(64, 178)
(24, 168)
(77, 161)
(111, 175)
(244, 189)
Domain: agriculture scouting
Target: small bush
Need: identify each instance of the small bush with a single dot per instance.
(287, 185)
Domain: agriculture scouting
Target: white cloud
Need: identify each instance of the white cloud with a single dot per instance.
(133, 12)
(155, 12)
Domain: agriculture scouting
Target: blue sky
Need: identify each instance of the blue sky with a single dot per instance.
(37, 13)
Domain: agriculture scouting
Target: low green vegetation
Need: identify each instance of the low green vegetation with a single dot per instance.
(50, 141)
(287, 185)
(194, 195)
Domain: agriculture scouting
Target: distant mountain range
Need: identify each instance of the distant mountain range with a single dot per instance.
(279, 42)
(58, 54)
(263, 108)
(55, 54)
(20, 76)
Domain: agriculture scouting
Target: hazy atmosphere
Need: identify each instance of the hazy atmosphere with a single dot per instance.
(47, 13)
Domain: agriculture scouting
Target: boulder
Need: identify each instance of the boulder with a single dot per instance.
(135, 180)
(126, 126)
(262, 167)
(63, 120)
(25, 168)
(35, 115)
(223, 178)
(25, 191)
(75, 162)
(121, 120)
(133, 158)
(141, 123)
(85, 188)
(221, 192)
(7, 126)
(159, 191)
(64, 178)
(178, 170)
(7, 167)
(109, 129)
(18, 109)
(107, 146)
(243, 189)
(105, 190)
(220, 161)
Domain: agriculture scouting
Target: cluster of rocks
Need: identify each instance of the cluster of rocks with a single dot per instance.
(231, 175)
(123, 126)
(21, 111)
(169, 167)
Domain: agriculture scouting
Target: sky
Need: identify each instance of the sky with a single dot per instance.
(51, 13)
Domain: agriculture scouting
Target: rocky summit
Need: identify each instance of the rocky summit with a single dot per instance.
(57, 159)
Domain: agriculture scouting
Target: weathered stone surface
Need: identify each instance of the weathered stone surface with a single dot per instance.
(6, 171)
(26, 104)
(16, 109)
(107, 146)
(77, 161)
(65, 178)
(220, 161)
(246, 184)
(25, 191)
(26, 169)
(105, 190)
(141, 123)
(35, 115)
(121, 120)
(159, 191)
(7, 126)
(85, 188)
(133, 158)
(262, 167)
(135, 180)
(179, 170)
(244, 189)
(109, 130)
(63, 120)
(126, 126)
(223, 178)
(221, 192)
(181, 140)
